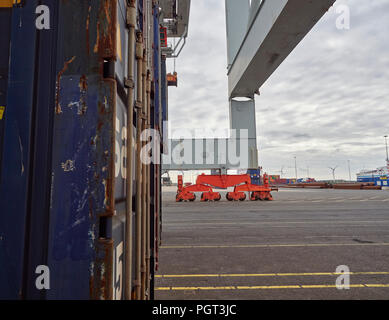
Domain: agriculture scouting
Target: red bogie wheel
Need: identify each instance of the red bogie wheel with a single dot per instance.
(242, 197)
(268, 197)
(228, 197)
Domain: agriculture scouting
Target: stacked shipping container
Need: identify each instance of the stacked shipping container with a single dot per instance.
(64, 139)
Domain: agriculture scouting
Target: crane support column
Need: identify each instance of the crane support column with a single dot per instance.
(242, 117)
(242, 113)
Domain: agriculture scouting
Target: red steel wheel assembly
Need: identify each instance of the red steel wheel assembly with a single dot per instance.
(210, 196)
(268, 196)
(185, 196)
(257, 195)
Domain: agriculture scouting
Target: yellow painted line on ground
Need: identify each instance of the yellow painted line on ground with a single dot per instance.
(187, 276)
(233, 275)
(273, 245)
(266, 287)
(213, 275)
(304, 286)
(377, 285)
(202, 288)
(306, 274)
(330, 286)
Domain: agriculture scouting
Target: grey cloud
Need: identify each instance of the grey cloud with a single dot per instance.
(327, 103)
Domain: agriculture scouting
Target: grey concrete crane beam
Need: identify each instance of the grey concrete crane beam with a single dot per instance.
(275, 28)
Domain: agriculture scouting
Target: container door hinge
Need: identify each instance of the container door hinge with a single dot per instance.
(131, 15)
(129, 83)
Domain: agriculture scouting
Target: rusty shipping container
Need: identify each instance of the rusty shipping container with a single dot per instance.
(65, 98)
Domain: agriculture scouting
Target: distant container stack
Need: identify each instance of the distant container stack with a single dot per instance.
(379, 176)
(277, 180)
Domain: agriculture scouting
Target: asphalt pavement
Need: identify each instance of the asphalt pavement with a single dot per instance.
(302, 245)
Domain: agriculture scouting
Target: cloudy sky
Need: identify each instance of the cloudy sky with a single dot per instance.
(326, 104)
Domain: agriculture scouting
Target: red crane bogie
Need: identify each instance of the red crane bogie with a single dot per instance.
(240, 183)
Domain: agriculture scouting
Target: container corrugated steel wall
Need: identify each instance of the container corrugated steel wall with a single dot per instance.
(17, 151)
(62, 188)
(5, 27)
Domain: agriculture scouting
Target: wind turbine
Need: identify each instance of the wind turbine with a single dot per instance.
(333, 171)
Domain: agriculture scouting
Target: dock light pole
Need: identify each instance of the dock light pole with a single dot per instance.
(349, 171)
(386, 144)
(295, 166)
